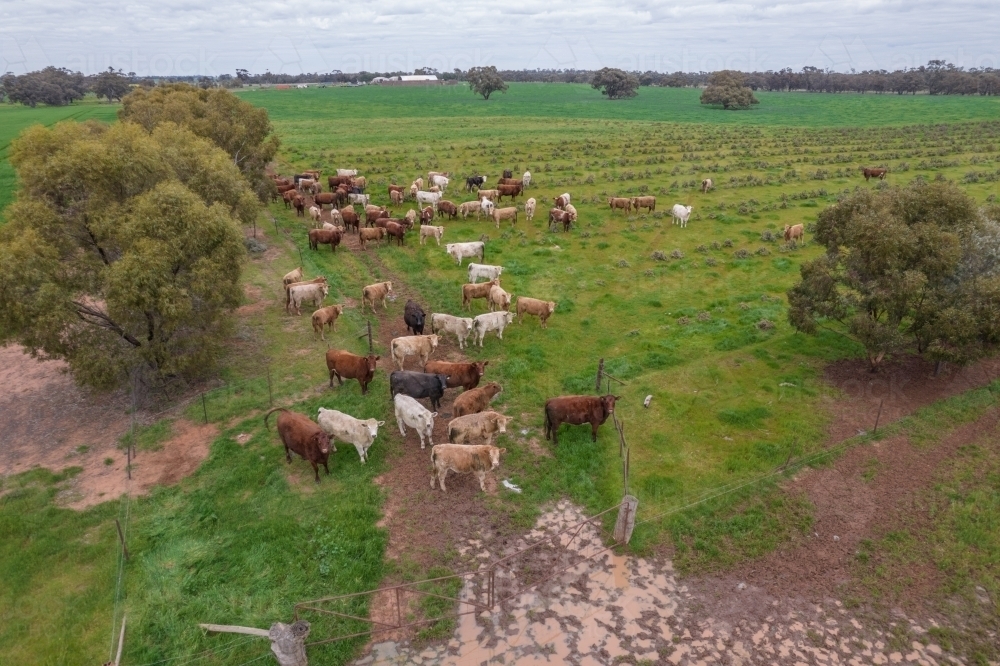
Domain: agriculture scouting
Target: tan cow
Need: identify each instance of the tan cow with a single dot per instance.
(571, 209)
(427, 230)
(396, 197)
(411, 217)
(463, 459)
(481, 425)
(649, 203)
(307, 293)
(370, 234)
(492, 195)
(620, 202)
(288, 298)
(413, 345)
(292, 276)
(326, 317)
(314, 213)
(542, 309)
(706, 185)
(509, 213)
(498, 299)
(795, 232)
(469, 207)
(374, 293)
(472, 291)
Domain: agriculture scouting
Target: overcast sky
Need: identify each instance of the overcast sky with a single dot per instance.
(208, 37)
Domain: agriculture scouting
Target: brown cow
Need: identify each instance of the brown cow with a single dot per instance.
(560, 217)
(285, 188)
(577, 410)
(649, 203)
(299, 203)
(319, 237)
(466, 375)
(322, 198)
(870, 172)
(395, 230)
(288, 197)
(427, 215)
(396, 188)
(448, 208)
(345, 365)
(561, 201)
(471, 291)
(350, 218)
(474, 401)
(300, 434)
(337, 181)
(511, 191)
(326, 317)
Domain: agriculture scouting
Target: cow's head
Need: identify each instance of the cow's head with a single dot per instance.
(322, 442)
(388, 286)
(552, 306)
(608, 402)
(443, 381)
(434, 339)
(493, 388)
(480, 367)
(325, 289)
(502, 422)
(495, 456)
(508, 316)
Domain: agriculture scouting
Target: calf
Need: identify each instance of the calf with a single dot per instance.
(395, 230)
(426, 215)
(512, 191)
(460, 327)
(300, 435)
(529, 209)
(418, 385)
(466, 375)
(526, 179)
(491, 321)
(680, 214)
(414, 316)
(319, 237)
(542, 309)
(372, 213)
(482, 425)
(440, 180)
(498, 299)
(460, 251)
(430, 231)
(472, 291)
(411, 413)
(362, 199)
(396, 198)
(795, 232)
(306, 293)
(354, 431)
(706, 185)
(620, 202)
(350, 218)
(428, 198)
(299, 204)
(374, 293)
(374, 234)
(462, 459)
(326, 317)
(873, 173)
(410, 217)
(475, 400)
(486, 271)
(289, 197)
(507, 173)
(649, 203)
(509, 213)
(314, 213)
(485, 208)
(577, 410)
(345, 365)
(421, 346)
(571, 209)
(350, 173)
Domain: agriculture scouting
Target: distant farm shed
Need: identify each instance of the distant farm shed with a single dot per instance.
(408, 80)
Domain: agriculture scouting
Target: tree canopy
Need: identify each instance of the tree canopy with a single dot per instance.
(615, 83)
(485, 81)
(727, 89)
(55, 86)
(123, 250)
(916, 267)
(242, 130)
(111, 84)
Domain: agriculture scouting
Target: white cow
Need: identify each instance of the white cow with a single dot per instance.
(431, 198)
(349, 429)
(413, 345)
(680, 214)
(314, 213)
(411, 413)
(460, 251)
(440, 181)
(347, 172)
(498, 298)
(526, 179)
(529, 208)
(486, 208)
(306, 293)
(362, 199)
(432, 231)
(460, 327)
(491, 321)
(485, 271)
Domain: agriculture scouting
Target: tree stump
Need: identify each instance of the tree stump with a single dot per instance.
(288, 642)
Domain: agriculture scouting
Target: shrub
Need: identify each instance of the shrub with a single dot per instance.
(659, 255)
(741, 253)
(676, 254)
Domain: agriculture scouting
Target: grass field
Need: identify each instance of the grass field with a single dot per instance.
(240, 541)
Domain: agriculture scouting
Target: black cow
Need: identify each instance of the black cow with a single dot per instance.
(507, 173)
(474, 181)
(414, 317)
(418, 385)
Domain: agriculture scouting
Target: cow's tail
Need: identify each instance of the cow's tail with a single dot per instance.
(268, 415)
(451, 435)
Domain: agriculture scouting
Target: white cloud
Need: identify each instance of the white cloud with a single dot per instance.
(197, 37)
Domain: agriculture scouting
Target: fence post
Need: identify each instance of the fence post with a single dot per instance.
(204, 407)
(371, 349)
(626, 519)
(878, 416)
(121, 537)
(270, 395)
(600, 371)
(128, 461)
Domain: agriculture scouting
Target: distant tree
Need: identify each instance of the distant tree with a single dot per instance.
(915, 267)
(485, 81)
(53, 86)
(615, 83)
(123, 250)
(239, 128)
(111, 84)
(727, 89)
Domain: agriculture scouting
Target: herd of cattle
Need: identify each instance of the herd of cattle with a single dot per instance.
(472, 420)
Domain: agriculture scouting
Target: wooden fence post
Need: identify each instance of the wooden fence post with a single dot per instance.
(288, 641)
(270, 394)
(600, 371)
(121, 537)
(626, 519)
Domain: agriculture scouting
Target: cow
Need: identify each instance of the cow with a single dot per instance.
(350, 218)
(314, 213)
(498, 299)
(440, 181)
(482, 425)
(509, 213)
(426, 215)
(869, 172)
(425, 198)
(649, 203)
(307, 185)
(562, 200)
(529, 209)
(355, 198)
(288, 294)
(468, 208)
(558, 216)
(373, 213)
(319, 237)
(460, 251)
(374, 293)
(571, 209)
(337, 181)
(474, 181)
(448, 208)
(542, 309)
(300, 435)
(411, 413)
(396, 198)
(347, 172)
(430, 231)
(410, 217)
(475, 400)
(463, 459)
(512, 191)
(421, 346)
(413, 316)
(491, 321)
(306, 293)
(345, 365)
(285, 188)
(466, 375)
(366, 235)
(485, 208)
(336, 218)
(473, 291)
(706, 185)
(577, 410)
(526, 179)
(395, 188)
(289, 197)
(292, 276)
(619, 202)
(418, 385)
(359, 184)
(680, 214)
(395, 230)
(299, 204)
(339, 425)
(460, 327)
(432, 174)
(492, 195)
(484, 271)
(795, 232)
(326, 317)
